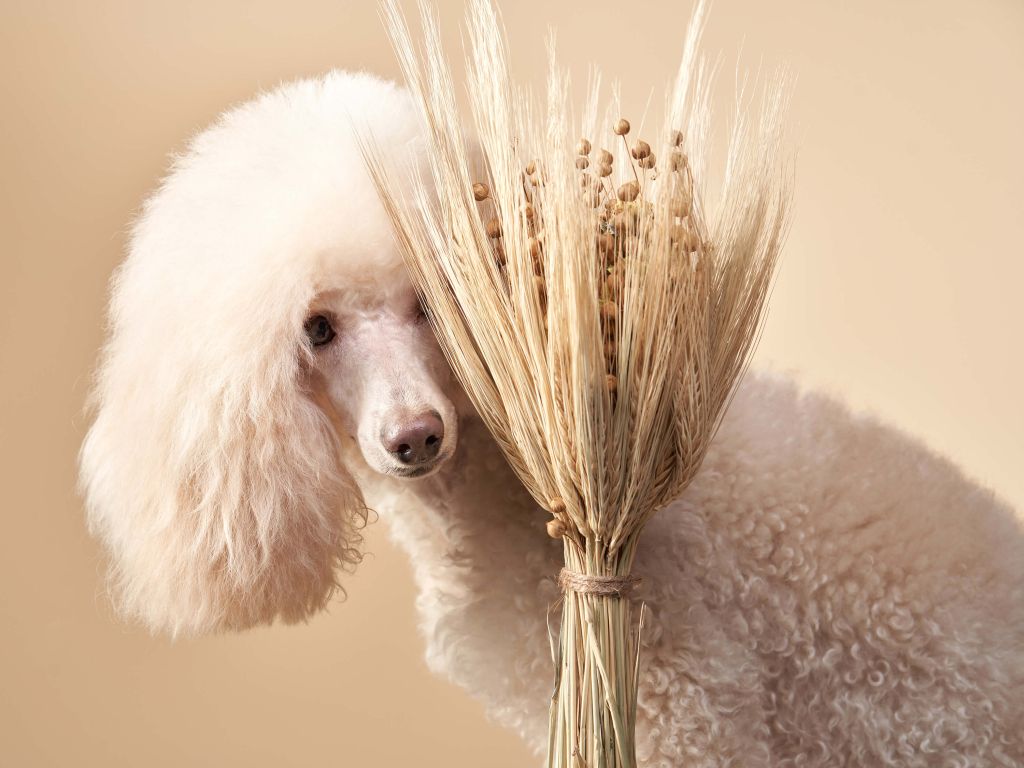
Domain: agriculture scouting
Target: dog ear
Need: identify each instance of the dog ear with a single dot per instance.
(210, 474)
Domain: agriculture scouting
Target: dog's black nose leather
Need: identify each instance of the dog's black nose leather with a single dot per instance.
(416, 440)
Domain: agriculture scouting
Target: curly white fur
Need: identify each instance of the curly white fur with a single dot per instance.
(827, 592)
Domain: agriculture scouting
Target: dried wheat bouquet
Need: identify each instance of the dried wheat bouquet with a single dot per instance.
(595, 312)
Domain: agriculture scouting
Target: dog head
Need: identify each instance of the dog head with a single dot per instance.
(261, 319)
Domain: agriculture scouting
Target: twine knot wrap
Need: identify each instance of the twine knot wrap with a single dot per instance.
(606, 586)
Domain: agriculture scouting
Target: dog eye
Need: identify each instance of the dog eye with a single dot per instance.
(319, 330)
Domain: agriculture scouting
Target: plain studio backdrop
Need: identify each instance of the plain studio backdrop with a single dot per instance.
(900, 289)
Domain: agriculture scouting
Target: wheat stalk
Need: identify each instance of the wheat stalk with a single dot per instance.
(598, 326)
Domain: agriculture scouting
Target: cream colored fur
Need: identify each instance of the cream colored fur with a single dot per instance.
(827, 592)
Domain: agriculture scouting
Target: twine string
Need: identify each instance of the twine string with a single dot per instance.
(605, 586)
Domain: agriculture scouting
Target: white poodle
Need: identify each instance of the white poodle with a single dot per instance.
(827, 593)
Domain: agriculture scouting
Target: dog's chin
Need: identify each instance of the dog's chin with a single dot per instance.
(405, 472)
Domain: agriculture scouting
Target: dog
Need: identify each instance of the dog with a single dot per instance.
(826, 592)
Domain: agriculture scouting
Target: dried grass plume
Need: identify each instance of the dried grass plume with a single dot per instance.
(597, 311)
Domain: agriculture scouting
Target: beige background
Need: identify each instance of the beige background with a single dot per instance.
(901, 289)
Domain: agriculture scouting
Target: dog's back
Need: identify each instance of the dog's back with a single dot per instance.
(827, 592)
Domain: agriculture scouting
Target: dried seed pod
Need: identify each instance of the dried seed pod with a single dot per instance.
(677, 161)
(499, 254)
(555, 528)
(610, 350)
(536, 251)
(680, 206)
(493, 227)
(647, 162)
(528, 212)
(608, 330)
(538, 263)
(621, 127)
(583, 148)
(606, 244)
(531, 168)
(480, 192)
(582, 162)
(677, 138)
(542, 289)
(609, 311)
(614, 282)
(640, 150)
(556, 507)
(604, 170)
(629, 191)
(684, 237)
(604, 157)
(611, 383)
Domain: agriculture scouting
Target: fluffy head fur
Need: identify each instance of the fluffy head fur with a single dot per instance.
(212, 469)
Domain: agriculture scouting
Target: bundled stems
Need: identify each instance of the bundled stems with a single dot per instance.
(596, 314)
(593, 711)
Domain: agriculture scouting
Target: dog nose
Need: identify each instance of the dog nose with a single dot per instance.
(417, 440)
